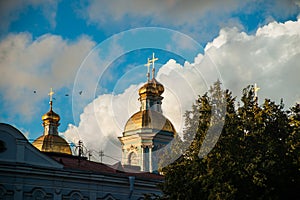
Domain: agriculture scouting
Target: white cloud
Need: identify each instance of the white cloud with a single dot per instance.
(276, 29)
(103, 120)
(29, 65)
(269, 58)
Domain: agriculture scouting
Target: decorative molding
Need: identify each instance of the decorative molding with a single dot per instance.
(38, 193)
(74, 195)
(108, 197)
(5, 194)
(132, 148)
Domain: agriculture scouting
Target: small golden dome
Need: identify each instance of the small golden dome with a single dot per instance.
(148, 88)
(149, 119)
(52, 143)
(51, 115)
(152, 87)
(160, 88)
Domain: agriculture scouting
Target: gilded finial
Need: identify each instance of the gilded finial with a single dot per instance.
(153, 61)
(255, 90)
(148, 66)
(51, 94)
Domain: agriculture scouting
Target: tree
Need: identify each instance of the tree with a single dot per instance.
(257, 155)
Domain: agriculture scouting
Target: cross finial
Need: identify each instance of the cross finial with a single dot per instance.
(255, 90)
(51, 94)
(148, 72)
(153, 61)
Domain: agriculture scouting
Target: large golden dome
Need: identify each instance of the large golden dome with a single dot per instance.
(52, 143)
(146, 119)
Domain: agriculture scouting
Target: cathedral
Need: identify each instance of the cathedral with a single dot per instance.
(47, 169)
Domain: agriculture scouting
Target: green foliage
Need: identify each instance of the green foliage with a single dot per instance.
(256, 156)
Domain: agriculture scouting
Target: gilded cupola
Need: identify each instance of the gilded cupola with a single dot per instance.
(148, 130)
(150, 115)
(50, 141)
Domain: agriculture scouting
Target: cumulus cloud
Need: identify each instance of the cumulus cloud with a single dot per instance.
(29, 65)
(103, 120)
(270, 58)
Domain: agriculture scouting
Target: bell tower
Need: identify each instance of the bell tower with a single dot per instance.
(147, 130)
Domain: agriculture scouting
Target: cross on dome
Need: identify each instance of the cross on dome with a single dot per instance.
(51, 95)
(148, 66)
(256, 90)
(149, 62)
(153, 61)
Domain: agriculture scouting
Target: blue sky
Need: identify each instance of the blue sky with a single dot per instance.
(63, 44)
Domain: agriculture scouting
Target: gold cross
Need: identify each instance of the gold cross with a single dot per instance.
(51, 94)
(256, 90)
(148, 65)
(152, 61)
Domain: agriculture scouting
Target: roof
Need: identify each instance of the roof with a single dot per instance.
(52, 143)
(82, 164)
(148, 119)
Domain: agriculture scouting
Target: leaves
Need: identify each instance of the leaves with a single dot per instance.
(257, 155)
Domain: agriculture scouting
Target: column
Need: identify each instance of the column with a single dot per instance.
(142, 158)
(150, 159)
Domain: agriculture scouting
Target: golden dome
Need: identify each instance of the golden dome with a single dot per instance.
(148, 119)
(52, 143)
(152, 87)
(160, 88)
(51, 115)
(148, 88)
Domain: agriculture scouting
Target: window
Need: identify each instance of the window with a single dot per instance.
(132, 159)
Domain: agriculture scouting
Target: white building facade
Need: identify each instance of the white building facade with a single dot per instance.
(27, 173)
